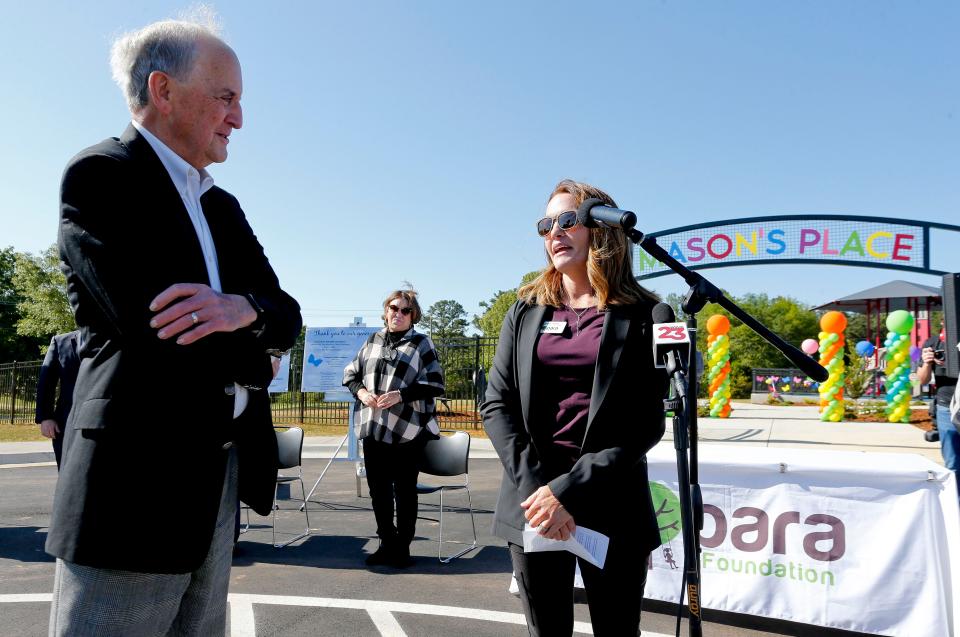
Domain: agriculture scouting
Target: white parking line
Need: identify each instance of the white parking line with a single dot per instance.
(28, 464)
(27, 597)
(386, 623)
(243, 624)
(372, 606)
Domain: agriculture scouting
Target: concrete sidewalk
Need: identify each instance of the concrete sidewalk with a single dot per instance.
(761, 425)
(800, 427)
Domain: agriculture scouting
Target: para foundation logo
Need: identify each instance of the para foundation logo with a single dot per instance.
(755, 542)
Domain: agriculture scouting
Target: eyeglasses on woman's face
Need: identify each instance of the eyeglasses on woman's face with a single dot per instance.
(406, 311)
(565, 220)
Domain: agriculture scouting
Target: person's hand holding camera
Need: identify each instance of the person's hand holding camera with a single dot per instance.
(930, 356)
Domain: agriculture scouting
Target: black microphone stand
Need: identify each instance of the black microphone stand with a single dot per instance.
(685, 434)
(682, 403)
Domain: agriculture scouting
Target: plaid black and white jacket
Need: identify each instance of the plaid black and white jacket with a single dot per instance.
(383, 368)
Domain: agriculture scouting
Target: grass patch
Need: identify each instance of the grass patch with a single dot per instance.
(20, 432)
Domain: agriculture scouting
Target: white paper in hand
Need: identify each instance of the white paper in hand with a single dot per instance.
(584, 543)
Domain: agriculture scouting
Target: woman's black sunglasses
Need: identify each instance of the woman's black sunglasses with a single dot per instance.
(403, 310)
(566, 220)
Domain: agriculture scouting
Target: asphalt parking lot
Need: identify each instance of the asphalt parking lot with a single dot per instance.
(320, 585)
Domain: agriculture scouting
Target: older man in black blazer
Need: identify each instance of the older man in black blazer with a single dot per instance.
(60, 367)
(179, 310)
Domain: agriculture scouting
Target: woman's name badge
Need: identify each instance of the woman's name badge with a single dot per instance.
(553, 327)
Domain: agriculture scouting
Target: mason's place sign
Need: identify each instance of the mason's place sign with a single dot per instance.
(841, 239)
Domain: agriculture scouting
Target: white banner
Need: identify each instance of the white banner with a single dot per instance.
(326, 351)
(865, 542)
(281, 382)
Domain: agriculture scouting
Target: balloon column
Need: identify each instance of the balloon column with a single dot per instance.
(718, 355)
(897, 369)
(832, 325)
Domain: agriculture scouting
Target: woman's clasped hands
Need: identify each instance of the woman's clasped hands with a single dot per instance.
(545, 513)
(383, 401)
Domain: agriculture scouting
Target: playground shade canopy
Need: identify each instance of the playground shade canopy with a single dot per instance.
(896, 295)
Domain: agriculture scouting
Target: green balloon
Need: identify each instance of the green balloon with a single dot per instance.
(900, 321)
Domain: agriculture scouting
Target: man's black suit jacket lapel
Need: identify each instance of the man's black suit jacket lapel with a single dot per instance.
(187, 256)
(616, 326)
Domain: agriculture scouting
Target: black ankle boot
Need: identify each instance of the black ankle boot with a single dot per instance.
(380, 557)
(400, 556)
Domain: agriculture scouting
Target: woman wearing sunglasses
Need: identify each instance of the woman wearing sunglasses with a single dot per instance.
(573, 405)
(395, 378)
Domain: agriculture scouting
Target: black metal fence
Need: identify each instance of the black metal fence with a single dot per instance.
(18, 391)
(465, 360)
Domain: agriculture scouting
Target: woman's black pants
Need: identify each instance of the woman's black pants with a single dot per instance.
(392, 471)
(614, 594)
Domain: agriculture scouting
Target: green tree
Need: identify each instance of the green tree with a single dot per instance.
(856, 328)
(13, 346)
(42, 290)
(857, 375)
(493, 312)
(675, 300)
(445, 319)
(496, 308)
(784, 316)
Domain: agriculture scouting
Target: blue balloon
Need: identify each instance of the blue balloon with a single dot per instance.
(865, 348)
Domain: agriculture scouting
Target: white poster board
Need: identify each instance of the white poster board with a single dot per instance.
(326, 351)
(864, 542)
(281, 382)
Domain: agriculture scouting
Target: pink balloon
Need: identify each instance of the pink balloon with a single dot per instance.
(810, 346)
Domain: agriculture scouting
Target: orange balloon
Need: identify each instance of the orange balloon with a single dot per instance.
(718, 324)
(834, 322)
(832, 351)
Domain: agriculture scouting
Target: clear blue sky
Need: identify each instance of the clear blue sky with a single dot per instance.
(417, 141)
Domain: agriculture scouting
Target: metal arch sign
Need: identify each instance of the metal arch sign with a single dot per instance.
(873, 242)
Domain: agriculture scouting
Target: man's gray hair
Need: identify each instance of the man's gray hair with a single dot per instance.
(168, 46)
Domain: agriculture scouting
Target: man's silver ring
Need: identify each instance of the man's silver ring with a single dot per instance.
(195, 317)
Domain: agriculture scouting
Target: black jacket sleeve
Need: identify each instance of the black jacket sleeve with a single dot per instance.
(502, 415)
(47, 384)
(420, 391)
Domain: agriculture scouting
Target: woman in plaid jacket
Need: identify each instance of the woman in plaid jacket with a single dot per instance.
(395, 378)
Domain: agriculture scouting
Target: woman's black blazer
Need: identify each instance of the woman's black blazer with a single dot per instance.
(607, 489)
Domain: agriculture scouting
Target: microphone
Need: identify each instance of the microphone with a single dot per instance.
(669, 337)
(671, 346)
(593, 212)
